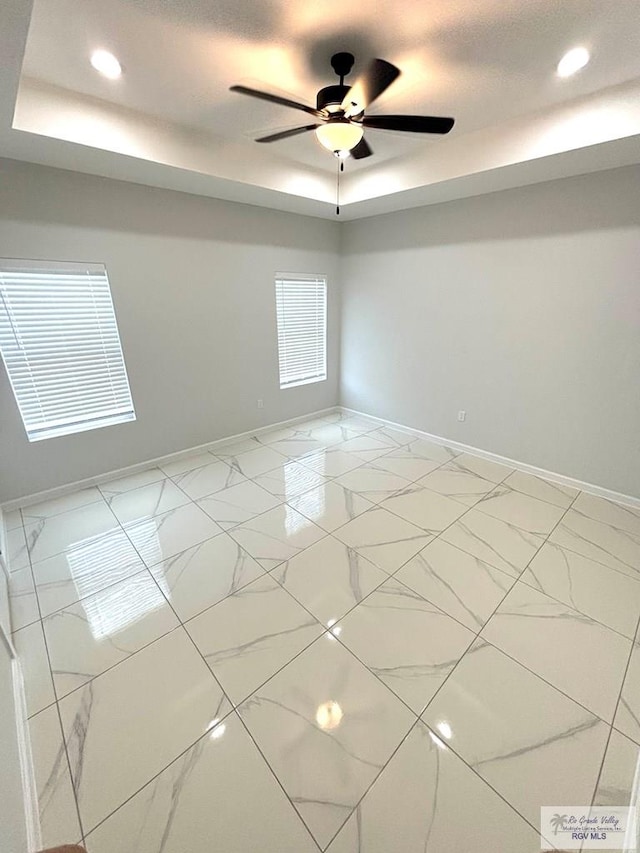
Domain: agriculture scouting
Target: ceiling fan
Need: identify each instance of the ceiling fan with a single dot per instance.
(339, 114)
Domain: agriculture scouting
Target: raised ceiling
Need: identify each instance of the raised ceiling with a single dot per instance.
(170, 120)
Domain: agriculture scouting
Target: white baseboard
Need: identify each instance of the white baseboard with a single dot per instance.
(69, 488)
(554, 477)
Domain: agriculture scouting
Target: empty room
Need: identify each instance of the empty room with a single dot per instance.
(319, 426)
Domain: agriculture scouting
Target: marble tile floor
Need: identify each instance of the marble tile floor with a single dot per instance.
(334, 636)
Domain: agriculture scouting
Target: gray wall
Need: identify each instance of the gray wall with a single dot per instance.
(521, 307)
(192, 284)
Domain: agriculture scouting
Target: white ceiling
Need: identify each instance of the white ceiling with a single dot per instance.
(170, 119)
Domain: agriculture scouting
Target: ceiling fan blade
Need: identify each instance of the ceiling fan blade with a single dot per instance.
(412, 124)
(283, 134)
(370, 85)
(361, 150)
(276, 99)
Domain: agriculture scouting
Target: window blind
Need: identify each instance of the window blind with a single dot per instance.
(301, 309)
(61, 348)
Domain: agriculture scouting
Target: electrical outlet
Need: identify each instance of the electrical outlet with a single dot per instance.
(462, 415)
(261, 404)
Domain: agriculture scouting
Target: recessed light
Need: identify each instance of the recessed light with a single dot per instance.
(106, 64)
(573, 61)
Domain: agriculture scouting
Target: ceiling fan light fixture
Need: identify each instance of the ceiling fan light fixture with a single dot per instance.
(339, 136)
(573, 61)
(106, 63)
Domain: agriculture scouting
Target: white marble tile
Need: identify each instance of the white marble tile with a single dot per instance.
(431, 450)
(429, 510)
(384, 538)
(187, 463)
(91, 636)
(331, 461)
(460, 584)
(84, 569)
(237, 504)
(17, 551)
(367, 447)
(250, 635)
(131, 481)
(226, 449)
(32, 654)
(503, 545)
(617, 515)
(330, 505)
(288, 480)
(56, 804)
(410, 644)
(544, 490)
(221, 792)
(327, 727)
(414, 806)
(557, 643)
(55, 506)
(450, 481)
(296, 446)
(373, 482)
(205, 574)
(335, 433)
(211, 478)
(406, 464)
(525, 512)
(23, 602)
(129, 723)
(276, 535)
(147, 501)
(329, 578)
(159, 538)
(617, 785)
(627, 719)
(398, 437)
(62, 532)
(601, 542)
(532, 744)
(13, 519)
(251, 463)
(485, 468)
(603, 594)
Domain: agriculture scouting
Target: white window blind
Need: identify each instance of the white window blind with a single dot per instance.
(301, 309)
(60, 345)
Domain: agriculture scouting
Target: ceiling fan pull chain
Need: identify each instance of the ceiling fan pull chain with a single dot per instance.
(340, 164)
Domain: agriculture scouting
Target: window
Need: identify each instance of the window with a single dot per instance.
(60, 344)
(301, 309)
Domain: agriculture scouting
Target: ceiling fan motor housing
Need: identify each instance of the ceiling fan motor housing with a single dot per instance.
(331, 97)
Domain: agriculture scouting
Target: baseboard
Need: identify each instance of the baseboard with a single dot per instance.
(561, 479)
(69, 488)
